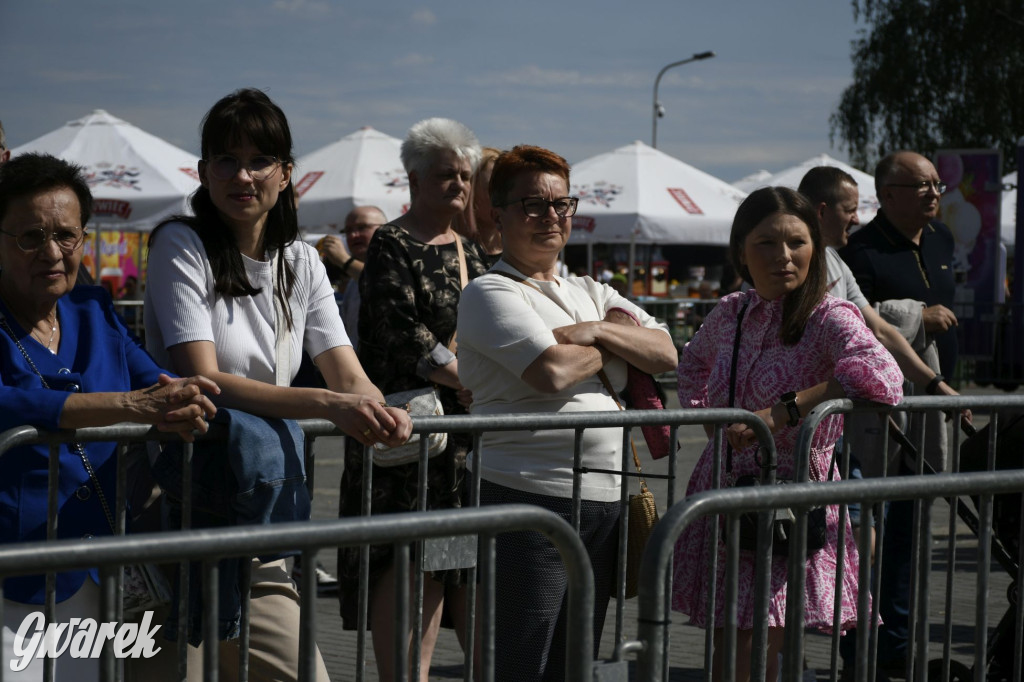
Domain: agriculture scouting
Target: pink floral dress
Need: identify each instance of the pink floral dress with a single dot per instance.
(835, 342)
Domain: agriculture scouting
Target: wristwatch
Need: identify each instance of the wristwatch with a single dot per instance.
(933, 386)
(789, 400)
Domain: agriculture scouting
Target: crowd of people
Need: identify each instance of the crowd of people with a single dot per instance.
(462, 294)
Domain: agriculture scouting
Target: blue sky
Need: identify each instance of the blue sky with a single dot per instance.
(576, 77)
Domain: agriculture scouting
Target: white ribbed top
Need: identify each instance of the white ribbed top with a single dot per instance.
(181, 306)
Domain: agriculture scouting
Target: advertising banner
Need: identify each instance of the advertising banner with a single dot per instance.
(970, 207)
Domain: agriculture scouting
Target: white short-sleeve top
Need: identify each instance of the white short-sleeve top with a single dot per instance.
(181, 306)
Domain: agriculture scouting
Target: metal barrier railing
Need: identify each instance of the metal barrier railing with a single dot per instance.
(475, 425)
(402, 529)
(653, 618)
(654, 615)
(653, 621)
(580, 422)
(921, 533)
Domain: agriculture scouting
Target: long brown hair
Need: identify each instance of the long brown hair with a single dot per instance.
(245, 115)
(801, 302)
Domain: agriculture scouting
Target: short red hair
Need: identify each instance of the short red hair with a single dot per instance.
(521, 159)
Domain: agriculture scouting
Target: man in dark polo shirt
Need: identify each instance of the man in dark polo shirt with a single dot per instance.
(905, 253)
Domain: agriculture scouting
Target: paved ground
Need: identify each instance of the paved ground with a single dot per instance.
(686, 651)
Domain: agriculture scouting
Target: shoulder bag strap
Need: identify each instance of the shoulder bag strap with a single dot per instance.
(600, 373)
(282, 335)
(463, 280)
(732, 378)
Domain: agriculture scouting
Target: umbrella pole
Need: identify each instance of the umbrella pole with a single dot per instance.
(590, 258)
(632, 265)
(97, 256)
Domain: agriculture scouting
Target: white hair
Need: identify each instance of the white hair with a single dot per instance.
(433, 135)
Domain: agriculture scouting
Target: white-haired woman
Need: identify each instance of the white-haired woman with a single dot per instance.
(410, 289)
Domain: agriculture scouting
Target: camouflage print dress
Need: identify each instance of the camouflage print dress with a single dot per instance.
(410, 297)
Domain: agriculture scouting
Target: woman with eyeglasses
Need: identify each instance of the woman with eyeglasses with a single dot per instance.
(66, 362)
(531, 341)
(232, 291)
(415, 270)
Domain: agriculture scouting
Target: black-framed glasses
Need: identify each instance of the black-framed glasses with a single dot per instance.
(225, 166)
(68, 238)
(923, 186)
(535, 207)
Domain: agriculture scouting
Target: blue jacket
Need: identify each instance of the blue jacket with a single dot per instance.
(96, 354)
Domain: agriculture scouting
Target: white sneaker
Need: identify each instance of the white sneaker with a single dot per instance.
(326, 584)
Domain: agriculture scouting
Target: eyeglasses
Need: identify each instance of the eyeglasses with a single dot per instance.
(360, 227)
(923, 186)
(225, 166)
(68, 238)
(535, 207)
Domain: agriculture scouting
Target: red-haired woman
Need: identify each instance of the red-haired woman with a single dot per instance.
(531, 341)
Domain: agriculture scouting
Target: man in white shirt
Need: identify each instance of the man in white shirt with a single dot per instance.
(360, 224)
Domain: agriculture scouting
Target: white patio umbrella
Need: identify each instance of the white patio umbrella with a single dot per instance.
(748, 183)
(361, 169)
(136, 178)
(637, 194)
(791, 178)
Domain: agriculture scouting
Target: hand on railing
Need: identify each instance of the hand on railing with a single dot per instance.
(175, 404)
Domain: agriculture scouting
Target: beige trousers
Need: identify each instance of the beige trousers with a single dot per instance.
(273, 638)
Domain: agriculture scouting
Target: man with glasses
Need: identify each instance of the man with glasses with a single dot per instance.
(360, 224)
(905, 253)
(346, 264)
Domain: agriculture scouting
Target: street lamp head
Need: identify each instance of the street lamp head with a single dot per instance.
(659, 111)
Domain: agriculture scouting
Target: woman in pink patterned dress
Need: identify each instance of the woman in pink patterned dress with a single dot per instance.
(794, 337)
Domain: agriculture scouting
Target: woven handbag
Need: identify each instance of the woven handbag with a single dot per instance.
(419, 402)
(643, 514)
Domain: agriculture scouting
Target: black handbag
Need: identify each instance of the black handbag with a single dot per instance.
(782, 524)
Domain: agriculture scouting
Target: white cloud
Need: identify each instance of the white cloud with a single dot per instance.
(424, 17)
(413, 59)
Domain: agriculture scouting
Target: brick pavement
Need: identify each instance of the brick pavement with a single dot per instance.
(687, 650)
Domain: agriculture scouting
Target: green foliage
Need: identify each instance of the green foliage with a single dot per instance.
(934, 74)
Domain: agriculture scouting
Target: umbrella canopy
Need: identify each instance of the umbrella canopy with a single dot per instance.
(639, 194)
(791, 178)
(136, 178)
(361, 169)
(748, 183)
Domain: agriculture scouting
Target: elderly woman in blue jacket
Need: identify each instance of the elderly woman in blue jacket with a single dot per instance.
(66, 362)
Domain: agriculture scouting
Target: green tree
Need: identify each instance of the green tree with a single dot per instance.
(934, 74)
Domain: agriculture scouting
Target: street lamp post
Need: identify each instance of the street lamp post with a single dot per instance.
(658, 110)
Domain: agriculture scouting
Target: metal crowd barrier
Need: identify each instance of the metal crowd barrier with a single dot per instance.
(654, 616)
(653, 642)
(616, 668)
(111, 553)
(127, 433)
(210, 545)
